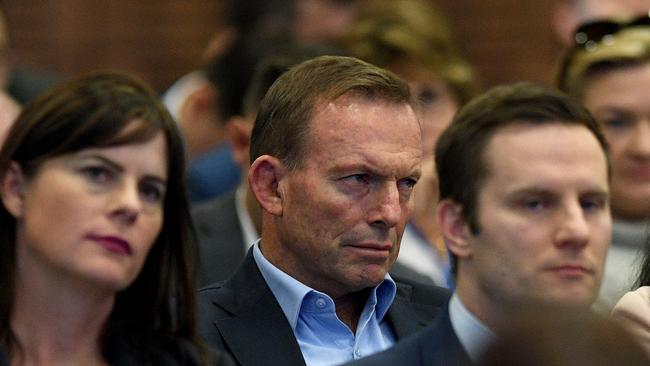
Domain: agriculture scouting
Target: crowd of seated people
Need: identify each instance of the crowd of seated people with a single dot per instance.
(335, 190)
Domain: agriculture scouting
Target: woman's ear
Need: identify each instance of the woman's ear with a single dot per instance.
(13, 190)
(264, 176)
(454, 228)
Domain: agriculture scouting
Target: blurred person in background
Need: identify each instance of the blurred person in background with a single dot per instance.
(608, 70)
(203, 101)
(568, 15)
(414, 40)
(17, 84)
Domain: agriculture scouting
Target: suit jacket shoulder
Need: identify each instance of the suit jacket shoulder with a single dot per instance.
(221, 242)
(242, 317)
(436, 345)
(415, 306)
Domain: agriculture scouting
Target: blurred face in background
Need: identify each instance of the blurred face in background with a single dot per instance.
(437, 105)
(620, 101)
(323, 20)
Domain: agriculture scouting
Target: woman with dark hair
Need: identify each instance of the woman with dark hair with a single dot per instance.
(95, 234)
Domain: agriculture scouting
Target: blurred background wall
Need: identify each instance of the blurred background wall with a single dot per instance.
(506, 40)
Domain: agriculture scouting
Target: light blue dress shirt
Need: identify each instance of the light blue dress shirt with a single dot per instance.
(323, 338)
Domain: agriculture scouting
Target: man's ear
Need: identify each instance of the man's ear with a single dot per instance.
(238, 130)
(454, 228)
(264, 176)
(198, 104)
(13, 191)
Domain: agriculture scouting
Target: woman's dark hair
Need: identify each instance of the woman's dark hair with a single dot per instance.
(644, 272)
(90, 112)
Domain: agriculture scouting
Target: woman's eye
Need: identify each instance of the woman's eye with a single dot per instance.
(428, 96)
(97, 174)
(151, 192)
(616, 123)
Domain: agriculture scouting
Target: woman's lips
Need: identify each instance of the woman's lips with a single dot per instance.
(112, 243)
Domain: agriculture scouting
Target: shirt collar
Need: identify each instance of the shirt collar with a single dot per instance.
(290, 292)
(472, 333)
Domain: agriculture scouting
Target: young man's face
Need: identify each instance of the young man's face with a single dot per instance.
(543, 216)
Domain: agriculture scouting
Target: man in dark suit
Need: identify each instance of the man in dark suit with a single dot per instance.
(524, 190)
(336, 151)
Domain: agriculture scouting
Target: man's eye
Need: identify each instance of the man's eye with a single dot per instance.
(408, 183)
(357, 178)
(535, 204)
(97, 174)
(593, 204)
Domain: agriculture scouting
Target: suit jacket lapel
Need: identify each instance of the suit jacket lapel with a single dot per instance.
(439, 342)
(405, 316)
(257, 321)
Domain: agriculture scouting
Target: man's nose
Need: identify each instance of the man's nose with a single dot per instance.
(386, 210)
(573, 228)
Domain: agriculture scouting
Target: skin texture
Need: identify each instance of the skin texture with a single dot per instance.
(544, 223)
(619, 101)
(68, 211)
(335, 223)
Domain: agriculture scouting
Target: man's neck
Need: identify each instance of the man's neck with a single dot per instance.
(350, 306)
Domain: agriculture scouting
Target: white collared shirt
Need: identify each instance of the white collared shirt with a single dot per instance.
(472, 333)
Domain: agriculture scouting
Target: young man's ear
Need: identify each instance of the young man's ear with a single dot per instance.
(264, 177)
(454, 228)
(13, 188)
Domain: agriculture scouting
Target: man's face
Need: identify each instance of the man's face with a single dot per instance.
(344, 210)
(543, 216)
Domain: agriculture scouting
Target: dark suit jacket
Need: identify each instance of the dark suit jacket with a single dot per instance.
(221, 241)
(436, 345)
(242, 317)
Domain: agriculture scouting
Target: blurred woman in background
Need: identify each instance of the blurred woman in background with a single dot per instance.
(608, 70)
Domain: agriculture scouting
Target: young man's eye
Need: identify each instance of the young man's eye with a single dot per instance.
(593, 204)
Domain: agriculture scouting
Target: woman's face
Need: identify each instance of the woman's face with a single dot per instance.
(437, 102)
(620, 101)
(90, 217)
